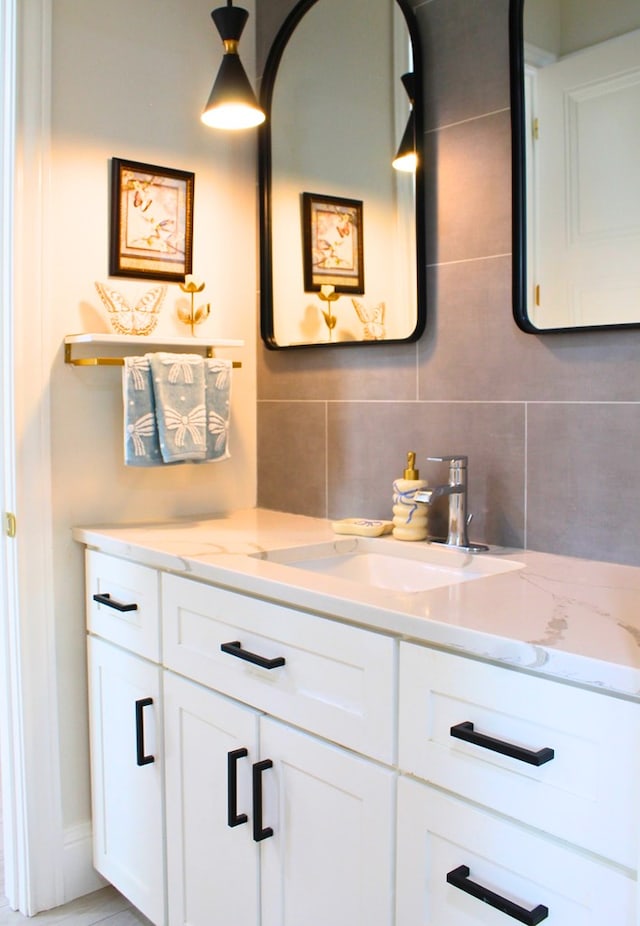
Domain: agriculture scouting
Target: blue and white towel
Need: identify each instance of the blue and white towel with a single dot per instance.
(181, 415)
(176, 409)
(218, 397)
(141, 444)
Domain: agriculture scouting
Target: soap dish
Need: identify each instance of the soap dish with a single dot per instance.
(363, 527)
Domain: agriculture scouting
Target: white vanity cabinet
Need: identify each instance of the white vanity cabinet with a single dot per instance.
(307, 771)
(513, 778)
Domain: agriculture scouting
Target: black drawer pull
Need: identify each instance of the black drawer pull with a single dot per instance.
(141, 759)
(233, 817)
(235, 649)
(260, 832)
(464, 731)
(112, 603)
(459, 877)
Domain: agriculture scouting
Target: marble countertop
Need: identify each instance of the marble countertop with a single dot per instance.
(561, 617)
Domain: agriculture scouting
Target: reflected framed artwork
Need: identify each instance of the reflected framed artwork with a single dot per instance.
(332, 243)
(151, 221)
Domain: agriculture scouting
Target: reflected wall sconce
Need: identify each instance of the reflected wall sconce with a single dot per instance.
(232, 103)
(406, 158)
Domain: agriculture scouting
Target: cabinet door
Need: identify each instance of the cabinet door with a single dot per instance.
(127, 797)
(531, 879)
(330, 859)
(212, 866)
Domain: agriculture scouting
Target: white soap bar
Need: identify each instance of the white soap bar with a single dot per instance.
(363, 527)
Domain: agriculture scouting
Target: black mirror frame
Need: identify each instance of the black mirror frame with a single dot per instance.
(264, 181)
(518, 168)
(519, 185)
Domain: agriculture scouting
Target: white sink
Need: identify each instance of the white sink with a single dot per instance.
(391, 564)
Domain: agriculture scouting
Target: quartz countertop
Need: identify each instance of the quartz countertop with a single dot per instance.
(562, 617)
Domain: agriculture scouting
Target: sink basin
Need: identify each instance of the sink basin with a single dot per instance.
(390, 564)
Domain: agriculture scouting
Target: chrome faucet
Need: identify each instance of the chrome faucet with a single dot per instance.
(456, 489)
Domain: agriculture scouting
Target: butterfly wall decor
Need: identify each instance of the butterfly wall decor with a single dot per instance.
(141, 318)
(372, 318)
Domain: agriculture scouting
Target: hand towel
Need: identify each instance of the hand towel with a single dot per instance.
(179, 392)
(141, 445)
(218, 396)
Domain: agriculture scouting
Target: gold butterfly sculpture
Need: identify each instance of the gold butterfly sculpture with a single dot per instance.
(141, 319)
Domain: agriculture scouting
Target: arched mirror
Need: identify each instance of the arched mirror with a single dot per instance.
(341, 230)
(575, 84)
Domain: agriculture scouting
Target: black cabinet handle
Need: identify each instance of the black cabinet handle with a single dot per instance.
(140, 756)
(260, 832)
(464, 731)
(112, 603)
(235, 649)
(459, 877)
(233, 817)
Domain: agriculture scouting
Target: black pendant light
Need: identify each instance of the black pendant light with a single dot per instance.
(406, 158)
(232, 103)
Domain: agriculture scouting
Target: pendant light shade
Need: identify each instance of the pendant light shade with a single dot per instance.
(406, 158)
(232, 103)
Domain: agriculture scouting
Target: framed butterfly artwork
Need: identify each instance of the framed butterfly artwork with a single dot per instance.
(332, 243)
(151, 221)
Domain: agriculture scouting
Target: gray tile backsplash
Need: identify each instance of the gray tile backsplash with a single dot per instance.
(582, 492)
(292, 442)
(551, 424)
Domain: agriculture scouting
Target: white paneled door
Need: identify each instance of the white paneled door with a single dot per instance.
(587, 184)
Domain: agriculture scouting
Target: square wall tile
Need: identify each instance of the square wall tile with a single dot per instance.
(473, 348)
(374, 371)
(368, 444)
(582, 473)
(472, 213)
(292, 446)
(465, 46)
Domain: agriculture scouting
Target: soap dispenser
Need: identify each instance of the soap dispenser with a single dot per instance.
(409, 516)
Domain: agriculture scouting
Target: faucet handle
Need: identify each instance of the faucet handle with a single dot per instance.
(460, 459)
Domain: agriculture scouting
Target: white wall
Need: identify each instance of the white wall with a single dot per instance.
(129, 80)
(565, 26)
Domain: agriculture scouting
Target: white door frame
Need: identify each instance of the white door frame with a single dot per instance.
(11, 788)
(28, 703)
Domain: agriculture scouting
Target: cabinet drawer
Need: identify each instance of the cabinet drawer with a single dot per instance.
(129, 613)
(439, 835)
(586, 793)
(337, 681)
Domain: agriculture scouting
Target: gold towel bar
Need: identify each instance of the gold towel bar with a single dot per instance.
(114, 361)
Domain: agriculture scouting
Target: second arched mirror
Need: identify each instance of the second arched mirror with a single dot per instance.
(342, 230)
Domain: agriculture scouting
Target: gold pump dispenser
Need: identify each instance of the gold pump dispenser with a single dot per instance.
(409, 516)
(411, 472)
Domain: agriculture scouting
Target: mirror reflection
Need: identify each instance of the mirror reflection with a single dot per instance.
(576, 66)
(340, 227)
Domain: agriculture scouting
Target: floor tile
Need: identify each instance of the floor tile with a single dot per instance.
(105, 906)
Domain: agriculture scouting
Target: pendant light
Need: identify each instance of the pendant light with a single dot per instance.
(232, 103)
(406, 158)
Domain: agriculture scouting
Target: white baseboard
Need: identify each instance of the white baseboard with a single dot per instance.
(80, 877)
